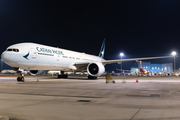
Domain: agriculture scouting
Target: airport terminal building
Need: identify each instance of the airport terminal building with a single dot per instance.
(165, 67)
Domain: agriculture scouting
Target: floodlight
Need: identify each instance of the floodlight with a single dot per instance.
(121, 54)
(174, 53)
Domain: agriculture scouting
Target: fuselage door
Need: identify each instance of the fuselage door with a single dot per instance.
(33, 53)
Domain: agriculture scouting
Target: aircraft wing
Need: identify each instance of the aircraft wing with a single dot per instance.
(133, 59)
(122, 70)
(81, 66)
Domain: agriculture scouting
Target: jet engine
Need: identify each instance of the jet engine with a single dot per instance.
(95, 69)
(37, 72)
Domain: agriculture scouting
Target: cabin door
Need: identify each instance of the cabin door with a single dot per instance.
(33, 53)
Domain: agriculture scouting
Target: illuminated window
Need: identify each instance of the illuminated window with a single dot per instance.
(71, 57)
(45, 54)
(155, 67)
(152, 68)
(65, 56)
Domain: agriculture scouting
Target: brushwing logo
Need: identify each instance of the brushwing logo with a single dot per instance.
(26, 56)
(101, 54)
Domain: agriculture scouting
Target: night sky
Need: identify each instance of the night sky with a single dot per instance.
(139, 28)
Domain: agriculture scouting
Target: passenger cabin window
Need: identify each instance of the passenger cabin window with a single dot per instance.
(71, 57)
(65, 56)
(15, 50)
(45, 54)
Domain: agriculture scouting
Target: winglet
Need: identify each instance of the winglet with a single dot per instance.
(101, 54)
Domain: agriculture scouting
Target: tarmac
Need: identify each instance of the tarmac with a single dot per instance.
(77, 98)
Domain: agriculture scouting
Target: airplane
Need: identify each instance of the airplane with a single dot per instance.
(38, 59)
(140, 72)
(8, 72)
(143, 71)
(53, 72)
(148, 73)
(13, 72)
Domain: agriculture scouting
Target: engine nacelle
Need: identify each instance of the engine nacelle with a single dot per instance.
(95, 69)
(37, 72)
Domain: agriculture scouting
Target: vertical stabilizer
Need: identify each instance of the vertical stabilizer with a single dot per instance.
(140, 63)
(101, 54)
(141, 69)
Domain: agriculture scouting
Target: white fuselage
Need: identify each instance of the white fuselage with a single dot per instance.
(32, 56)
(39, 58)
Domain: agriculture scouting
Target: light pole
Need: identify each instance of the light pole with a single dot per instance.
(174, 54)
(121, 54)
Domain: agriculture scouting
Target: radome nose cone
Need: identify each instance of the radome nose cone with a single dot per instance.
(4, 57)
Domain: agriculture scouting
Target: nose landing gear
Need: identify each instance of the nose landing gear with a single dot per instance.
(21, 77)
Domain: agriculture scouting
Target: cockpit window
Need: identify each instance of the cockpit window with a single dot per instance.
(9, 49)
(15, 50)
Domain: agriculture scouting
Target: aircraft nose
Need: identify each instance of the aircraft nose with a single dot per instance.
(5, 56)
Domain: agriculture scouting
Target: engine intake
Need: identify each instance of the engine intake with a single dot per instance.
(95, 69)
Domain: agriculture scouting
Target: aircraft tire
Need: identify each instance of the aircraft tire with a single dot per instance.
(65, 76)
(62, 76)
(20, 79)
(91, 77)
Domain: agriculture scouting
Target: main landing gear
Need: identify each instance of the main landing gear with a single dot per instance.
(21, 77)
(91, 77)
(62, 75)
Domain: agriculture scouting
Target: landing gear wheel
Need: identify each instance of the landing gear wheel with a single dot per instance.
(91, 77)
(20, 79)
(63, 76)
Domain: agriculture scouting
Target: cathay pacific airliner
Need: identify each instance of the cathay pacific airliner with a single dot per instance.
(38, 59)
